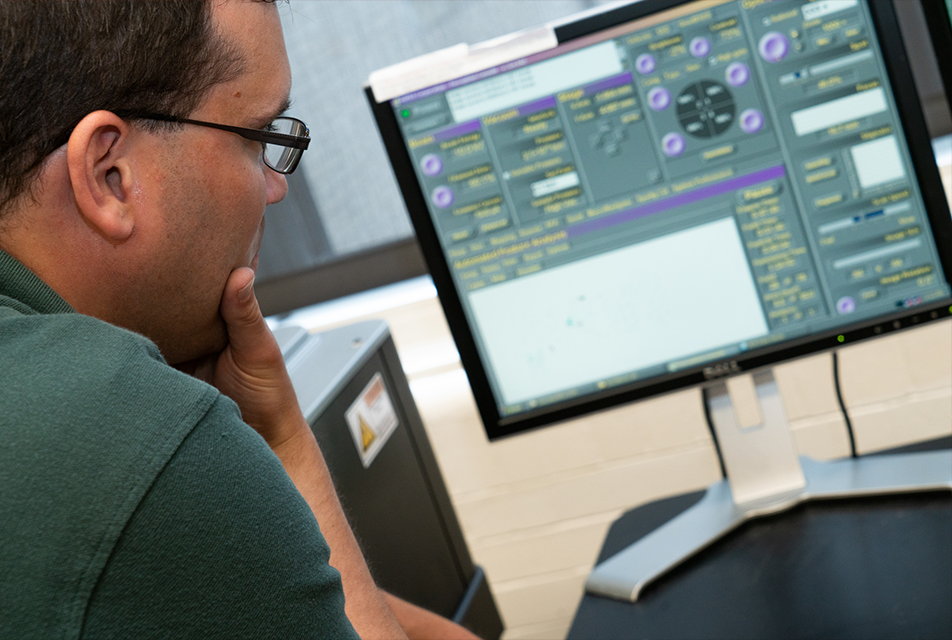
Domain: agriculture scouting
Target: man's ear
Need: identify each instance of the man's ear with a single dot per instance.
(101, 174)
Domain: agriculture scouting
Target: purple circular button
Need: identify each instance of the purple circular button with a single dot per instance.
(431, 164)
(672, 144)
(774, 46)
(845, 305)
(699, 47)
(659, 98)
(751, 120)
(645, 63)
(737, 74)
(442, 197)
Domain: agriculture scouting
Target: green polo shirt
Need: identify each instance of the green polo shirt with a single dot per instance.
(134, 502)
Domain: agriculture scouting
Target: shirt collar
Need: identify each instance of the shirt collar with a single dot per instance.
(21, 284)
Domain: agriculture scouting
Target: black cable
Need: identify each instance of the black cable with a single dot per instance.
(839, 398)
(710, 427)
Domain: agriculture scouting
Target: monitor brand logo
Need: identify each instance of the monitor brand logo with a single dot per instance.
(722, 369)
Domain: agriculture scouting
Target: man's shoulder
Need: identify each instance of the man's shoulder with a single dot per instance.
(68, 357)
(71, 338)
(74, 379)
(91, 415)
(222, 506)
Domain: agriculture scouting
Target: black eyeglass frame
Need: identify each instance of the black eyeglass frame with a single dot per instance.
(256, 135)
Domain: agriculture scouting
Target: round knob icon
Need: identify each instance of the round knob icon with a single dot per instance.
(845, 305)
(773, 46)
(431, 164)
(672, 144)
(659, 98)
(645, 63)
(737, 74)
(442, 197)
(751, 121)
(699, 47)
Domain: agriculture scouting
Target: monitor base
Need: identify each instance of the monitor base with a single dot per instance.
(625, 574)
(765, 477)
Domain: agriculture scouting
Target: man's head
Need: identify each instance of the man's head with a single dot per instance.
(63, 60)
(131, 220)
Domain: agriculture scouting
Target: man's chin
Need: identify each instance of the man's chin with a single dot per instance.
(197, 348)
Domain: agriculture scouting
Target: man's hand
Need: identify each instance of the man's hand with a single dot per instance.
(251, 371)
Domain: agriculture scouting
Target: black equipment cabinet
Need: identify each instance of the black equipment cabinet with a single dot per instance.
(396, 501)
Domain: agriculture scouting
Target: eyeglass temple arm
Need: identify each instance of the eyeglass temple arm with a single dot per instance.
(272, 137)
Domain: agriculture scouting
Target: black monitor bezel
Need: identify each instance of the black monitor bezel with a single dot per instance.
(939, 21)
(497, 426)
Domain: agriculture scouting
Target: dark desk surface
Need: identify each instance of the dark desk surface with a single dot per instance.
(857, 568)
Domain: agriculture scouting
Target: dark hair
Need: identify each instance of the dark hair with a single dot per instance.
(61, 60)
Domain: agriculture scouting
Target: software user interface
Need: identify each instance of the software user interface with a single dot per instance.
(677, 190)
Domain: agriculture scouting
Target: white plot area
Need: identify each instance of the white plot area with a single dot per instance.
(878, 162)
(645, 304)
(834, 112)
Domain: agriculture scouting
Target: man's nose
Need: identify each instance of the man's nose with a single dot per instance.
(277, 186)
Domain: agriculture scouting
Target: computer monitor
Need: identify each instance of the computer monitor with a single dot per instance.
(670, 193)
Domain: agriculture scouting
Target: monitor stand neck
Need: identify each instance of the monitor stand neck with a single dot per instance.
(765, 475)
(755, 440)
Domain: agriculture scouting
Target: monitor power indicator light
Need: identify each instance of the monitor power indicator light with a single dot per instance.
(405, 113)
(841, 338)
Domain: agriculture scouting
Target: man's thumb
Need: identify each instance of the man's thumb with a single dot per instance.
(239, 307)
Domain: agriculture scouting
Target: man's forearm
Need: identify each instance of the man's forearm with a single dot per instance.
(420, 624)
(387, 616)
(365, 605)
(251, 372)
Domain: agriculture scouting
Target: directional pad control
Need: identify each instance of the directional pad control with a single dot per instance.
(705, 109)
(608, 138)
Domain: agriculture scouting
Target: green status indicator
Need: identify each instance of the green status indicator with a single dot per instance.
(841, 338)
(405, 113)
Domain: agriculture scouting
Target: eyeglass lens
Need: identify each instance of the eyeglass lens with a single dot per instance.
(284, 159)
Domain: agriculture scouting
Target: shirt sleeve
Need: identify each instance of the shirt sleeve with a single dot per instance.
(221, 546)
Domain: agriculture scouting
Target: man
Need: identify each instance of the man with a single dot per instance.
(135, 501)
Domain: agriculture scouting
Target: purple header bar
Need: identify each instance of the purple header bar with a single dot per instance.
(456, 130)
(608, 83)
(679, 200)
(538, 105)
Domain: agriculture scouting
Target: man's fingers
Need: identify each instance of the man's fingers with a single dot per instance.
(251, 370)
(248, 333)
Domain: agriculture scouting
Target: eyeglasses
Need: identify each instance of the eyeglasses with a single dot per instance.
(284, 141)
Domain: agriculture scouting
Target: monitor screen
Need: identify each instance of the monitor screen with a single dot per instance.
(676, 192)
